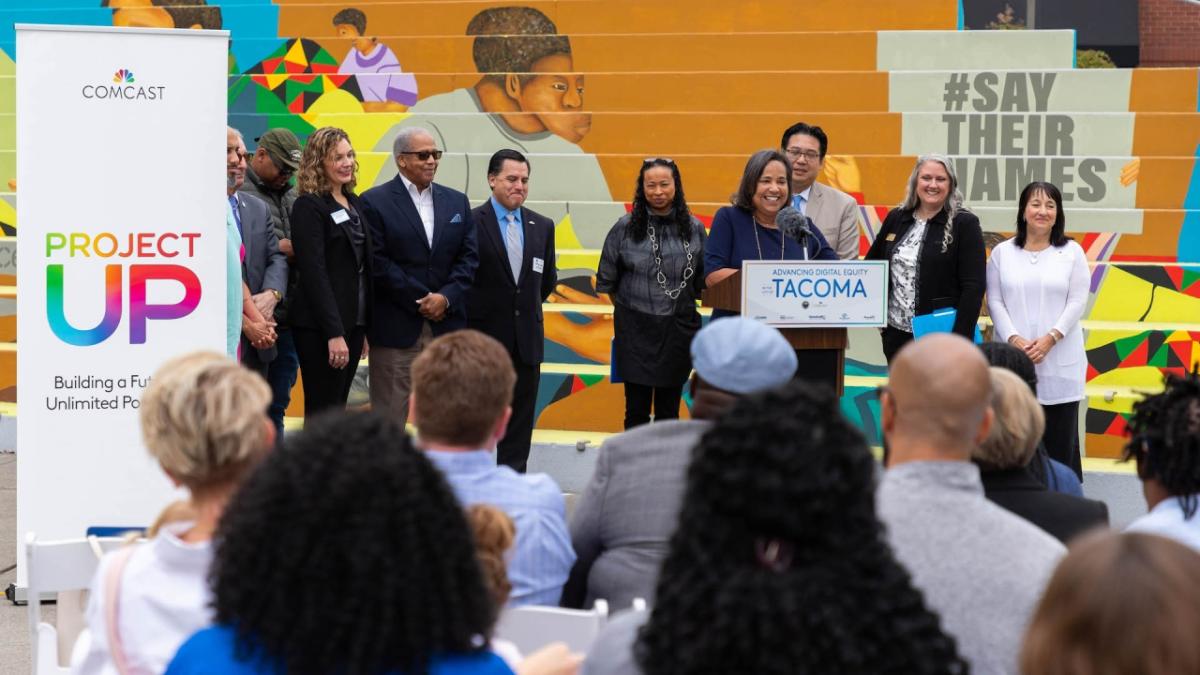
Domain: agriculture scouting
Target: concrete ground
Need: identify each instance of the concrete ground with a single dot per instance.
(571, 467)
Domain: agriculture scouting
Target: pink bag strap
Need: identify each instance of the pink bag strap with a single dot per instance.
(112, 590)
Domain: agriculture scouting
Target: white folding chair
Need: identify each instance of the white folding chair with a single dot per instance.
(55, 567)
(532, 627)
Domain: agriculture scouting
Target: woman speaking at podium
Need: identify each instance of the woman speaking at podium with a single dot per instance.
(935, 250)
(748, 230)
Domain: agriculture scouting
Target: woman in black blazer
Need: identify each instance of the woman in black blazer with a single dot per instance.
(936, 255)
(332, 243)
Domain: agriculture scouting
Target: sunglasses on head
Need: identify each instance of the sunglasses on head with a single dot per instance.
(423, 155)
(651, 160)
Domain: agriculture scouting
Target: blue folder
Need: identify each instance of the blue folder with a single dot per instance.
(939, 321)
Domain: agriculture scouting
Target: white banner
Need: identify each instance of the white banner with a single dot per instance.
(120, 177)
(811, 293)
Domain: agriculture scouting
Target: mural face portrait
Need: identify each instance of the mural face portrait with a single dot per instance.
(804, 152)
(362, 43)
(140, 14)
(555, 97)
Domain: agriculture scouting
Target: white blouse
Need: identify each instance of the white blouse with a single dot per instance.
(1030, 293)
(902, 301)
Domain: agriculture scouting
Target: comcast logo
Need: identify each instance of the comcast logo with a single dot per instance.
(123, 87)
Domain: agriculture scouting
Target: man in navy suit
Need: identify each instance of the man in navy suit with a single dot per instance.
(516, 274)
(424, 259)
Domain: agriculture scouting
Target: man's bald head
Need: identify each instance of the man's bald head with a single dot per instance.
(939, 399)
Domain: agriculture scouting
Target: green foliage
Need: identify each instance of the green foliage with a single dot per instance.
(1093, 58)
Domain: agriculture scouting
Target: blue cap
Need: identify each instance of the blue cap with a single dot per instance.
(742, 356)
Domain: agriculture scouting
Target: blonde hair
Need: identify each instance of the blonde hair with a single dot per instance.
(494, 534)
(1017, 427)
(954, 201)
(204, 419)
(311, 178)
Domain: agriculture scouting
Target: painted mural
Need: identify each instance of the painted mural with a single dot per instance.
(587, 88)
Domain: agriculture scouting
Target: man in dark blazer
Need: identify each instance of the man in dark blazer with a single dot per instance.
(264, 266)
(424, 260)
(516, 274)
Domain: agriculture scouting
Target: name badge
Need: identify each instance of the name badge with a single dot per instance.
(538, 265)
(340, 216)
(890, 237)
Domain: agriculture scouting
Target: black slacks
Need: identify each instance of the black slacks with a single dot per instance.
(513, 449)
(1062, 434)
(893, 340)
(325, 387)
(639, 397)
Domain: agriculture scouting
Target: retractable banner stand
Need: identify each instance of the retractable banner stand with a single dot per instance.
(121, 243)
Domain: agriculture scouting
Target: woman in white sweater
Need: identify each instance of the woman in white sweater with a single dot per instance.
(1037, 289)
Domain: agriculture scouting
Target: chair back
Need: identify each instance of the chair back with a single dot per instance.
(532, 627)
(54, 567)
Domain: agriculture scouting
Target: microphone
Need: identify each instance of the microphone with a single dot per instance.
(792, 223)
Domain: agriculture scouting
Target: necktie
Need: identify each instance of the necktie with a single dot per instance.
(512, 240)
(800, 204)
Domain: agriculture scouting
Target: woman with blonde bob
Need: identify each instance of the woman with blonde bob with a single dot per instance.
(1118, 604)
(1004, 457)
(204, 420)
(331, 308)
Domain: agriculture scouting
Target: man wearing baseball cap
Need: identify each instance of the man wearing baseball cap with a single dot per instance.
(268, 177)
(627, 512)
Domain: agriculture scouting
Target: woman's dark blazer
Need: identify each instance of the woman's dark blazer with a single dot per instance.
(955, 278)
(327, 294)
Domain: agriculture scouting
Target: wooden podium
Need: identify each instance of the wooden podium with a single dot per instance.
(820, 351)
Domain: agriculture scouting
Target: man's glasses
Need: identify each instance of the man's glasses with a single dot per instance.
(423, 155)
(796, 153)
(284, 171)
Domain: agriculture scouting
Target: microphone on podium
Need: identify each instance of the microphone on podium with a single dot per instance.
(792, 223)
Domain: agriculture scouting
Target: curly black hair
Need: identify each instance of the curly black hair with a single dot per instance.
(779, 564)
(346, 552)
(1164, 437)
(639, 217)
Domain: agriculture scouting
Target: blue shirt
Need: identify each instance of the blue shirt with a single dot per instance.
(542, 553)
(212, 651)
(233, 282)
(501, 215)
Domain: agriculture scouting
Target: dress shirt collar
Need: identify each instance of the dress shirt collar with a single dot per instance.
(412, 188)
(502, 213)
(463, 461)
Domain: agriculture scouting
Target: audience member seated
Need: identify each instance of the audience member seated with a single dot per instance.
(779, 565)
(1165, 441)
(1049, 472)
(627, 512)
(462, 386)
(979, 566)
(345, 553)
(204, 420)
(1003, 460)
(1118, 604)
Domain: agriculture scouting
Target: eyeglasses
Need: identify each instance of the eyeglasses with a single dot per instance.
(797, 153)
(423, 155)
(651, 160)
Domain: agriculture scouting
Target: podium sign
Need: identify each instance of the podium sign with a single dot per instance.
(815, 293)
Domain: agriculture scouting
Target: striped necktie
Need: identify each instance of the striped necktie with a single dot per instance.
(512, 241)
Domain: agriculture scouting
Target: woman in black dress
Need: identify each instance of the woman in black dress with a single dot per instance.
(652, 266)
